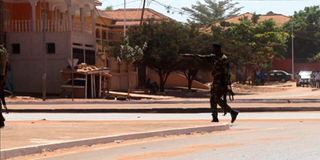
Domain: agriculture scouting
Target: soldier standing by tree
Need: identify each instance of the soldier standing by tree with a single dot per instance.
(221, 84)
(3, 66)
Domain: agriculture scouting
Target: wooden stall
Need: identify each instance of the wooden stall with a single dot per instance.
(85, 82)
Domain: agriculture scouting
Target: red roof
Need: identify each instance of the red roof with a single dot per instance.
(132, 15)
(278, 18)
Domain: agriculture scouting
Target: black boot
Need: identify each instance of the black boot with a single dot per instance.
(234, 115)
(1, 120)
(1, 124)
(215, 119)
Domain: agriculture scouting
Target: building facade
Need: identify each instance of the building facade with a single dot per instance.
(111, 28)
(42, 35)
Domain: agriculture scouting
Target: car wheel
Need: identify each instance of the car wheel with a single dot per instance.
(283, 80)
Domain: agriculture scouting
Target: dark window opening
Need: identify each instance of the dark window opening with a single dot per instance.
(98, 33)
(51, 48)
(110, 36)
(78, 54)
(84, 56)
(107, 63)
(104, 34)
(15, 48)
(90, 58)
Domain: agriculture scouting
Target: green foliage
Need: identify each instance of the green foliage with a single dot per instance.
(254, 43)
(196, 43)
(109, 8)
(316, 58)
(164, 41)
(212, 11)
(305, 25)
(130, 53)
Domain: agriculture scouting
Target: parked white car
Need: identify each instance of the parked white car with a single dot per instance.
(304, 78)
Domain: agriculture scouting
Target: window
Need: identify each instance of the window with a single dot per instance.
(51, 48)
(104, 34)
(107, 63)
(84, 56)
(15, 48)
(98, 33)
(90, 57)
(110, 36)
(279, 74)
(78, 53)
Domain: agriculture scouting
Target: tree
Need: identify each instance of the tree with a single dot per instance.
(305, 26)
(251, 43)
(109, 8)
(163, 49)
(130, 54)
(212, 11)
(196, 43)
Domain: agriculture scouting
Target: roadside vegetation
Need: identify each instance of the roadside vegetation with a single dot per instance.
(250, 44)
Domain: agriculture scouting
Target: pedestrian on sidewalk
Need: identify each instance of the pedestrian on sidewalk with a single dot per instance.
(317, 79)
(221, 84)
(3, 70)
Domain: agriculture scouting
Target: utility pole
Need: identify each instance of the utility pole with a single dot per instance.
(142, 71)
(292, 51)
(143, 8)
(125, 18)
(44, 30)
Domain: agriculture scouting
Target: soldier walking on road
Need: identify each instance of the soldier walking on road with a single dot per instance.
(3, 65)
(221, 84)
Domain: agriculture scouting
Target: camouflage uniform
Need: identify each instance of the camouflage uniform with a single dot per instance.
(3, 67)
(220, 86)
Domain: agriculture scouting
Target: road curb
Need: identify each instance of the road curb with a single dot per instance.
(11, 153)
(164, 110)
(184, 101)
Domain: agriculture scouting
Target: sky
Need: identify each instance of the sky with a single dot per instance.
(286, 7)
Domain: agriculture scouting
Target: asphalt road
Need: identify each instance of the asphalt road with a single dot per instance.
(148, 116)
(264, 139)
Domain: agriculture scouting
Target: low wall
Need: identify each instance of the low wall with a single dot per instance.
(286, 65)
(177, 79)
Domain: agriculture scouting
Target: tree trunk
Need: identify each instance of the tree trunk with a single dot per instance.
(190, 75)
(190, 83)
(129, 84)
(162, 83)
(163, 76)
(142, 75)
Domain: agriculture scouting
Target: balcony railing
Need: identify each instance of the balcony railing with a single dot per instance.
(77, 26)
(48, 26)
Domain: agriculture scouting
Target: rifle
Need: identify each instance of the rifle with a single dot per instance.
(230, 94)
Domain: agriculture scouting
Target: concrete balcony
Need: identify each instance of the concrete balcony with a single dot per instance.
(48, 26)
